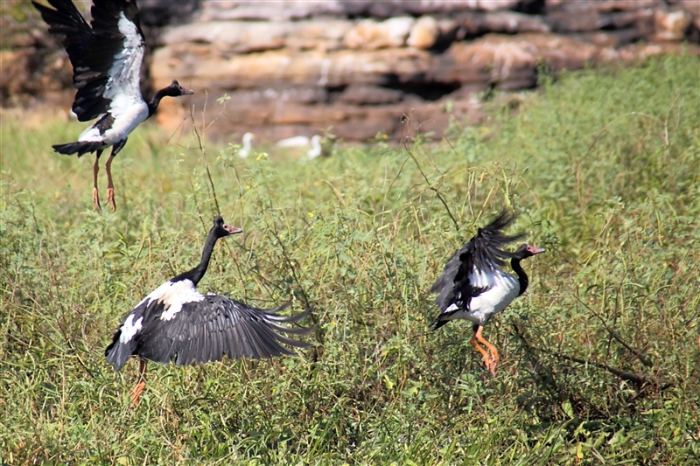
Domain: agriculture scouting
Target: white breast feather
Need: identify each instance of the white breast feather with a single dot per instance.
(91, 134)
(492, 301)
(125, 121)
(173, 295)
(130, 328)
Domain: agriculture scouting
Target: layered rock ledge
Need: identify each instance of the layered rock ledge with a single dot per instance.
(289, 68)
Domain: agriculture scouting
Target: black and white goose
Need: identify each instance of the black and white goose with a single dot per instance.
(106, 57)
(176, 322)
(473, 286)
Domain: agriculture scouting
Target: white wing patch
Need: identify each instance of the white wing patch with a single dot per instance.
(123, 89)
(173, 295)
(125, 73)
(130, 328)
(488, 276)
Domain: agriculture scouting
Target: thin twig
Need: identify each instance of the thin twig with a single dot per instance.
(450, 144)
(213, 190)
(639, 379)
(206, 166)
(430, 186)
(291, 267)
(643, 359)
(336, 192)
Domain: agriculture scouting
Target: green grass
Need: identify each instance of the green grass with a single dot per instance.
(599, 358)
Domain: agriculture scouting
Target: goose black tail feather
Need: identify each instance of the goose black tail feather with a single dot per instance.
(79, 147)
(118, 353)
(443, 319)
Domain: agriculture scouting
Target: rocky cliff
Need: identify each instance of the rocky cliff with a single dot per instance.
(290, 67)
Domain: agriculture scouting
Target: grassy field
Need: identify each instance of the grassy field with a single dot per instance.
(600, 358)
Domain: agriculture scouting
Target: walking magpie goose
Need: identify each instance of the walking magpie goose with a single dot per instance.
(474, 287)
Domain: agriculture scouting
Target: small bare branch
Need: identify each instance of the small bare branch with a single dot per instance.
(636, 378)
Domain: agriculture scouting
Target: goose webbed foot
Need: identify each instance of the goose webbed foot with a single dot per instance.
(110, 183)
(95, 192)
(491, 357)
(490, 364)
(135, 393)
(96, 200)
(110, 199)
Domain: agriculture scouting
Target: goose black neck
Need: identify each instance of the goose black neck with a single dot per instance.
(197, 273)
(155, 101)
(522, 276)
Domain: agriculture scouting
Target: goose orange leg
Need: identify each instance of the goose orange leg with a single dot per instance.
(484, 353)
(139, 388)
(95, 191)
(490, 360)
(110, 184)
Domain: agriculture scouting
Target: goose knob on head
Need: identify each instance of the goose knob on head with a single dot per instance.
(474, 287)
(106, 56)
(176, 322)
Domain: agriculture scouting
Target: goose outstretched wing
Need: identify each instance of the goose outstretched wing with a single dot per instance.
(207, 329)
(106, 55)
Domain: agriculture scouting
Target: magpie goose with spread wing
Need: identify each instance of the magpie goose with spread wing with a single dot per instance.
(176, 322)
(473, 286)
(106, 57)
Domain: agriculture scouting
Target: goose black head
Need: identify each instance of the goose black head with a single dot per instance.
(525, 250)
(220, 229)
(175, 90)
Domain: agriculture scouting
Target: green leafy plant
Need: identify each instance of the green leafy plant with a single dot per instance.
(599, 358)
